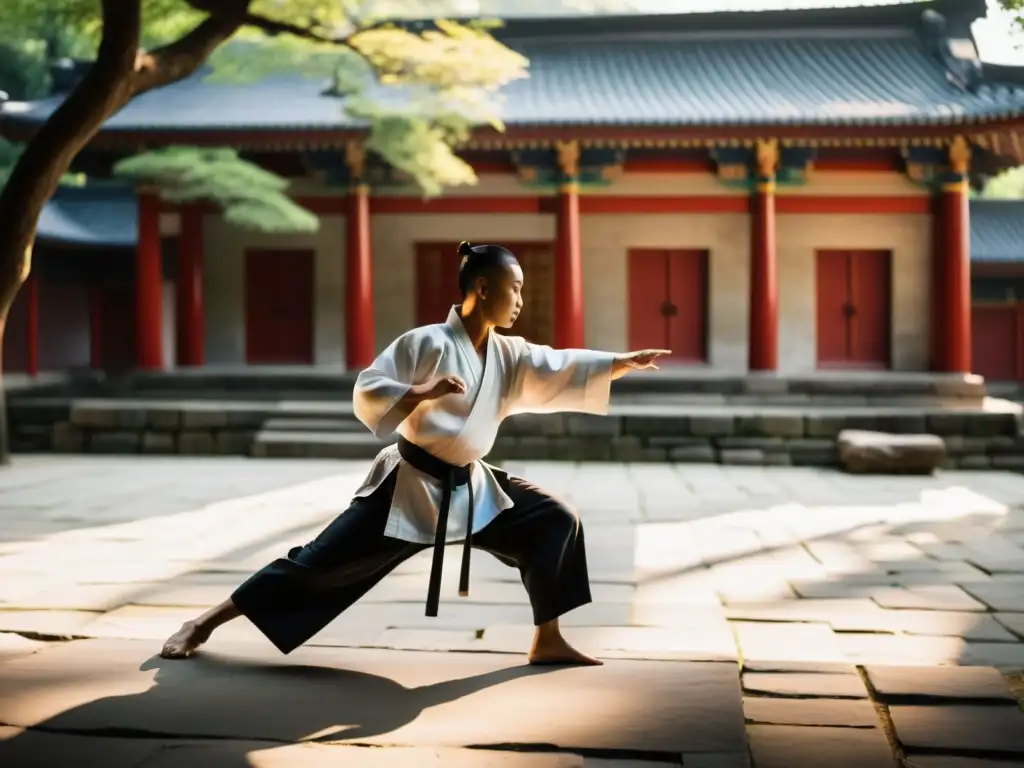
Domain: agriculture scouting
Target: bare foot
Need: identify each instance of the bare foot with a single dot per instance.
(183, 642)
(556, 650)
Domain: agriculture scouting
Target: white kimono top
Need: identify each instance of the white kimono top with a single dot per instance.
(518, 377)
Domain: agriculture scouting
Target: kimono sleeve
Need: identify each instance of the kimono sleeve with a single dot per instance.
(411, 359)
(548, 380)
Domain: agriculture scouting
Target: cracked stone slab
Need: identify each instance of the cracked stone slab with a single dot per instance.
(966, 625)
(805, 684)
(46, 623)
(20, 748)
(379, 697)
(787, 641)
(712, 642)
(268, 755)
(961, 683)
(960, 728)
(848, 713)
(786, 746)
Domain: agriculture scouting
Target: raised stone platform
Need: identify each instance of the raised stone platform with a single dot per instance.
(678, 415)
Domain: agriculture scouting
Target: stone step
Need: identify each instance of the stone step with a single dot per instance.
(306, 425)
(317, 445)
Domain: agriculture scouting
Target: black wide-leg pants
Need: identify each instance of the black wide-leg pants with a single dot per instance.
(293, 598)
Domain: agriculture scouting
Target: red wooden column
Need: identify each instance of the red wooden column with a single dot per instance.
(96, 326)
(149, 286)
(32, 325)
(954, 252)
(189, 293)
(568, 255)
(359, 325)
(763, 349)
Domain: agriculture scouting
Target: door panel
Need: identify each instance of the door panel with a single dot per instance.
(687, 307)
(668, 302)
(833, 289)
(279, 307)
(997, 341)
(870, 296)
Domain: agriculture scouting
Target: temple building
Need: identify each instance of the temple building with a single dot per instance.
(772, 191)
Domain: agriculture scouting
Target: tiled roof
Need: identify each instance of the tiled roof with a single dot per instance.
(102, 216)
(862, 76)
(997, 230)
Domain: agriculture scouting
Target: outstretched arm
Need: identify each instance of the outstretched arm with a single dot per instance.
(550, 380)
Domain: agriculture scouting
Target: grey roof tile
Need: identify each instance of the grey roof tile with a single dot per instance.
(99, 215)
(871, 77)
(997, 230)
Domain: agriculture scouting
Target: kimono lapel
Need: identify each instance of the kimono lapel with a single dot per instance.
(465, 345)
(483, 412)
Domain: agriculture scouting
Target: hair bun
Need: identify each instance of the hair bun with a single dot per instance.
(465, 248)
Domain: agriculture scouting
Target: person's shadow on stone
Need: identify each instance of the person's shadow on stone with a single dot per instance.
(216, 697)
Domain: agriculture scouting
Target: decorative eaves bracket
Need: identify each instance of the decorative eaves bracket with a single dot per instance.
(736, 166)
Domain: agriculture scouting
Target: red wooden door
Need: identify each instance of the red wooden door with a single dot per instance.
(997, 341)
(437, 287)
(279, 307)
(853, 308)
(668, 302)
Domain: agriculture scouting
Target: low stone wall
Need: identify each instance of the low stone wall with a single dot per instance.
(975, 439)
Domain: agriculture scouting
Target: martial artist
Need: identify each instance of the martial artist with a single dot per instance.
(444, 389)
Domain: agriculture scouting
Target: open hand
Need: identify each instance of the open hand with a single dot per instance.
(443, 385)
(646, 358)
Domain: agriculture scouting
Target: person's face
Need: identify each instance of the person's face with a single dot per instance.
(502, 296)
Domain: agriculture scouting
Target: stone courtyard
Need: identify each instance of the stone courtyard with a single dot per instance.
(748, 616)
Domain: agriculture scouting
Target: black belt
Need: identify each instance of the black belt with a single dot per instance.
(451, 477)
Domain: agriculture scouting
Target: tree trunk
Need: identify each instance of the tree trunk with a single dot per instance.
(121, 71)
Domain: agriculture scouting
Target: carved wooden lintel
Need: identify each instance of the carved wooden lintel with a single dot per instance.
(960, 156)
(568, 158)
(355, 158)
(767, 157)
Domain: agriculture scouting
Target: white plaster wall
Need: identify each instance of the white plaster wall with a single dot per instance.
(224, 249)
(909, 239)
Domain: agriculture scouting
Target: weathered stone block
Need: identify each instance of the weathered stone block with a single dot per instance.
(960, 445)
(196, 443)
(991, 424)
(998, 445)
(164, 418)
(973, 461)
(693, 454)
(675, 441)
(751, 443)
(656, 425)
(114, 442)
(245, 419)
(158, 442)
(67, 438)
(93, 416)
(234, 443)
(1015, 463)
(203, 418)
(630, 448)
(947, 424)
(750, 457)
(589, 424)
(777, 459)
(712, 426)
(781, 425)
(812, 452)
(582, 449)
(130, 418)
(862, 451)
(824, 425)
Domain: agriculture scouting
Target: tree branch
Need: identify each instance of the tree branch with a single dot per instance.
(104, 89)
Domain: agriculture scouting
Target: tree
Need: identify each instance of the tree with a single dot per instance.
(1016, 7)
(1008, 185)
(446, 74)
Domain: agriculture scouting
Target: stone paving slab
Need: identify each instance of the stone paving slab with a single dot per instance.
(976, 684)
(960, 728)
(380, 697)
(847, 713)
(783, 746)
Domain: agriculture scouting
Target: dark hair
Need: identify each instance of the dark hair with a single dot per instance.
(481, 261)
